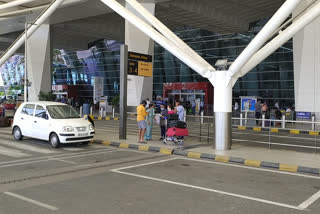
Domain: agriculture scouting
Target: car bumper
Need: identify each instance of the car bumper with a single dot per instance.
(75, 138)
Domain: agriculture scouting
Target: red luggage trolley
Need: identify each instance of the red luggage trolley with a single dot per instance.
(176, 135)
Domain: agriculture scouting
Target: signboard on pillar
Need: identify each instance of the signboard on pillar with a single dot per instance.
(139, 64)
(98, 89)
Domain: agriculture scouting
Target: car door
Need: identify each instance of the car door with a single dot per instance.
(40, 125)
(26, 121)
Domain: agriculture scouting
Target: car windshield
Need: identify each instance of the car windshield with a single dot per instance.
(62, 112)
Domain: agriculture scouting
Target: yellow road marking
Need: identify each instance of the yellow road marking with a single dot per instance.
(194, 154)
(222, 158)
(252, 163)
(124, 145)
(144, 148)
(166, 151)
(289, 168)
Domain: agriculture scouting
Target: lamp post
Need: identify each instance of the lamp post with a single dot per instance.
(25, 63)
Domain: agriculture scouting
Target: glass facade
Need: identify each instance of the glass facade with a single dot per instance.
(272, 80)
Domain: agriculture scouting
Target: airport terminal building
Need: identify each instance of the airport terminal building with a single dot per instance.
(81, 47)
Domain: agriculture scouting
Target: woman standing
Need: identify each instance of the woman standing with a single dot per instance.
(149, 119)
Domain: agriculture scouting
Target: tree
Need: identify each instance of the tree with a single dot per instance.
(46, 96)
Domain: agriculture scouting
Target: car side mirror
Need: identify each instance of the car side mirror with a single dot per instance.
(45, 116)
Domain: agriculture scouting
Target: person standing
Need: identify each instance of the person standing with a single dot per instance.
(179, 110)
(163, 116)
(194, 107)
(201, 106)
(257, 107)
(141, 119)
(148, 103)
(149, 119)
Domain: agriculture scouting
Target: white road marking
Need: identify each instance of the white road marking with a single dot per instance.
(310, 200)
(50, 158)
(254, 168)
(73, 149)
(61, 160)
(95, 146)
(145, 164)
(53, 156)
(211, 190)
(40, 204)
(12, 153)
(28, 147)
(280, 144)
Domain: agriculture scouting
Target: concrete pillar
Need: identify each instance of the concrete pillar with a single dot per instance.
(222, 110)
(39, 56)
(306, 51)
(139, 88)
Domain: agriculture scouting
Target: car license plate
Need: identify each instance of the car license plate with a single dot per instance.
(82, 134)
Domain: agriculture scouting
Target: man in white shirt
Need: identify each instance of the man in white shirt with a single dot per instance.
(148, 103)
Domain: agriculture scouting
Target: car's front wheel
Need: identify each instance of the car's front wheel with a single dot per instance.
(54, 140)
(17, 133)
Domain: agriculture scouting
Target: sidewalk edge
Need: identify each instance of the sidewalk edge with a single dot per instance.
(213, 157)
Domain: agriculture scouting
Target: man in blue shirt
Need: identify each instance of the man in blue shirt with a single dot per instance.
(180, 111)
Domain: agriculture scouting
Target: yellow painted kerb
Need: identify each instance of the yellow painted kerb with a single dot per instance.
(252, 163)
(289, 168)
(242, 127)
(274, 130)
(313, 133)
(124, 145)
(107, 118)
(257, 129)
(144, 148)
(222, 158)
(294, 132)
(116, 118)
(166, 151)
(106, 143)
(194, 155)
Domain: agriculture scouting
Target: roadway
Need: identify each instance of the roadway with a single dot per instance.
(35, 178)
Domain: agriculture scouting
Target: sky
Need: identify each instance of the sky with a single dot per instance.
(1, 82)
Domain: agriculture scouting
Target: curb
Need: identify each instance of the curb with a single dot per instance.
(276, 130)
(218, 158)
(99, 118)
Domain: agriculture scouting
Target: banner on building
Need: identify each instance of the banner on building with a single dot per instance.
(139, 64)
(98, 89)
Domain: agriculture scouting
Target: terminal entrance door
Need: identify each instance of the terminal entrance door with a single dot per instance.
(186, 97)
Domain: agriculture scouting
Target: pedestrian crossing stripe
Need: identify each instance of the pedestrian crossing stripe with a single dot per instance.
(27, 147)
(12, 152)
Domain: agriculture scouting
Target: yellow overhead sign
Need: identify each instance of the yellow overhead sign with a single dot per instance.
(140, 64)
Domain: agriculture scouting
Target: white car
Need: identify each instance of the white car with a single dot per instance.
(51, 121)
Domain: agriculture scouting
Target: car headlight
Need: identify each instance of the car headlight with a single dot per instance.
(67, 129)
(91, 127)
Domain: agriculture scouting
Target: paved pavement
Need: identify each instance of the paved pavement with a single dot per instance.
(35, 178)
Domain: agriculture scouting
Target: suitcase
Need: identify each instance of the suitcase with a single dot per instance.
(177, 123)
(172, 132)
(173, 117)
